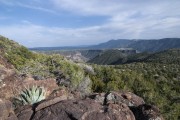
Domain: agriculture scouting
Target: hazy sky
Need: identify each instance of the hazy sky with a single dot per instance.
(83, 22)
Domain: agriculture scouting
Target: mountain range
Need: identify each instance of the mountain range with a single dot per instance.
(142, 45)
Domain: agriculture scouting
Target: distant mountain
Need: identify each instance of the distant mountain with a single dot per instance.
(58, 48)
(153, 45)
(120, 43)
(141, 45)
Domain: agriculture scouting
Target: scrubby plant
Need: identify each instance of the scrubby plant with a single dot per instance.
(30, 96)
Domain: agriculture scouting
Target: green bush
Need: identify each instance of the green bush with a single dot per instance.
(30, 96)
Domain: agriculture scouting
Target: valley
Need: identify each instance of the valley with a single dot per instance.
(116, 51)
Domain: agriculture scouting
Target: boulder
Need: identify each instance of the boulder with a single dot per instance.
(127, 98)
(146, 112)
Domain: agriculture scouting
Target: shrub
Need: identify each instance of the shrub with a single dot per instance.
(30, 96)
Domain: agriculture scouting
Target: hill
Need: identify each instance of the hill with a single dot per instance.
(155, 45)
(171, 56)
(120, 43)
(111, 57)
(107, 57)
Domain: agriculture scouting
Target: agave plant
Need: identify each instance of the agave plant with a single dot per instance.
(30, 96)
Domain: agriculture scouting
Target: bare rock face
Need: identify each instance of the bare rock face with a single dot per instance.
(7, 80)
(24, 113)
(6, 76)
(6, 110)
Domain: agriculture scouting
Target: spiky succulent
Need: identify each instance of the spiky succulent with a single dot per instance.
(30, 96)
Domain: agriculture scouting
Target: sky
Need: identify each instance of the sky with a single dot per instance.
(48, 23)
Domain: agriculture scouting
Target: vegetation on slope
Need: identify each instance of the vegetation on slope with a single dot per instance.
(171, 56)
(35, 64)
(16, 54)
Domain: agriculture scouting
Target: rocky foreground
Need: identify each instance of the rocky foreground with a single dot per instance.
(97, 106)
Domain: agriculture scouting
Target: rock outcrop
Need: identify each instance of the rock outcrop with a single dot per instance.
(100, 106)
(6, 110)
(86, 109)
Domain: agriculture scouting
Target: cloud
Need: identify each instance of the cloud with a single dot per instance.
(116, 7)
(32, 35)
(34, 4)
(36, 8)
(125, 19)
(127, 16)
(88, 7)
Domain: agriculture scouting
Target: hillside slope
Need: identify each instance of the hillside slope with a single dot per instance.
(171, 56)
(15, 54)
(110, 57)
(107, 57)
(155, 45)
(40, 65)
